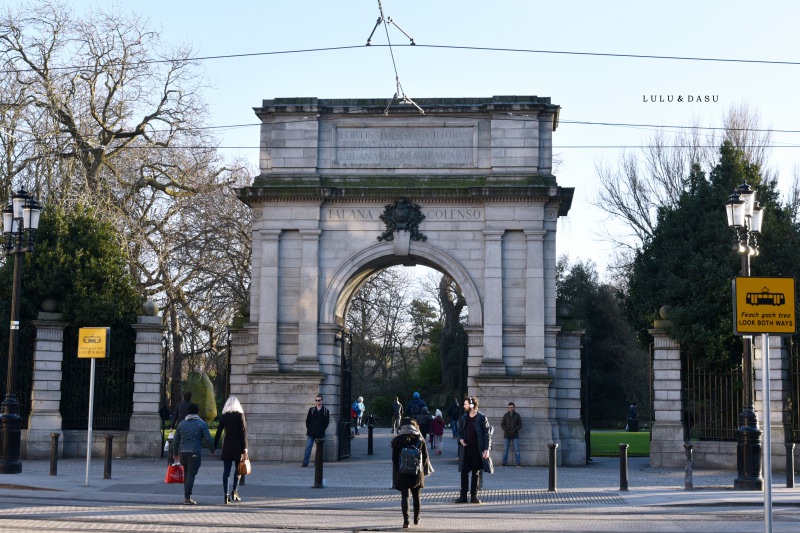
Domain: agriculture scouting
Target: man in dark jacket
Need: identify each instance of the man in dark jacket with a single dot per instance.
(511, 425)
(474, 438)
(317, 421)
(454, 413)
(182, 409)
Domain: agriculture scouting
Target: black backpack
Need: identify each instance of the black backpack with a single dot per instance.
(411, 459)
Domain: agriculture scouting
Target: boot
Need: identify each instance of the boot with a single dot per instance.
(463, 498)
(227, 499)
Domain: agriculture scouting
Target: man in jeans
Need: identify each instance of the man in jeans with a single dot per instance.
(188, 445)
(511, 425)
(317, 421)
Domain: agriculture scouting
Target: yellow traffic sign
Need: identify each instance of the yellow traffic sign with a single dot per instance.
(764, 305)
(93, 343)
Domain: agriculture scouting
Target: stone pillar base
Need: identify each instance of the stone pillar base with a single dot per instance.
(41, 425)
(573, 443)
(666, 445)
(144, 436)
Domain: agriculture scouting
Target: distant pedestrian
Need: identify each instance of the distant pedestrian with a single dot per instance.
(182, 409)
(633, 418)
(407, 483)
(437, 430)
(317, 421)
(188, 443)
(397, 415)
(233, 424)
(475, 440)
(358, 409)
(424, 420)
(511, 425)
(414, 406)
(454, 414)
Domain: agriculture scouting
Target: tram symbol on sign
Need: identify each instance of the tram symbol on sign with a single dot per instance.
(766, 298)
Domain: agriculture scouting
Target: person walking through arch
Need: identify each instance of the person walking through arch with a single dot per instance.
(410, 483)
(475, 440)
(454, 414)
(233, 424)
(182, 409)
(397, 415)
(189, 438)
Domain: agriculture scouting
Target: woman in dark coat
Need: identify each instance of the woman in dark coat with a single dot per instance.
(409, 483)
(232, 422)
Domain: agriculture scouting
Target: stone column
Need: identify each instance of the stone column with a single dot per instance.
(779, 394)
(267, 302)
(45, 415)
(144, 438)
(307, 342)
(492, 364)
(534, 363)
(667, 434)
(568, 398)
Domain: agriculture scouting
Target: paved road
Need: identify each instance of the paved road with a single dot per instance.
(357, 497)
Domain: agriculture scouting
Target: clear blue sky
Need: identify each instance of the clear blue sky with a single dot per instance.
(588, 88)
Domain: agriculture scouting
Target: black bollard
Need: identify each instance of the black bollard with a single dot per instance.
(552, 478)
(623, 467)
(370, 425)
(318, 463)
(107, 463)
(54, 453)
(688, 482)
(790, 465)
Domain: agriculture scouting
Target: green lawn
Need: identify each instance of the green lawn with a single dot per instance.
(605, 443)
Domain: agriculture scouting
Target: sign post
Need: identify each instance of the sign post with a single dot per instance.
(93, 343)
(764, 305)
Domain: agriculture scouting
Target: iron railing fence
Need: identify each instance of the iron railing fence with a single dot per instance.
(712, 400)
(792, 413)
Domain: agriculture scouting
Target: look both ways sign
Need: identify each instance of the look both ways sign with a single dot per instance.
(764, 305)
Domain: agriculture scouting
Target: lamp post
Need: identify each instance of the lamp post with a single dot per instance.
(744, 218)
(20, 221)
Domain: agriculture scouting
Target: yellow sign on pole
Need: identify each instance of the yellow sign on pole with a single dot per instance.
(764, 305)
(93, 343)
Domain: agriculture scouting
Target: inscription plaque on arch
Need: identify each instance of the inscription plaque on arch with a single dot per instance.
(405, 147)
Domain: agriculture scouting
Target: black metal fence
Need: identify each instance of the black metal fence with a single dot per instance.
(712, 400)
(792, 412)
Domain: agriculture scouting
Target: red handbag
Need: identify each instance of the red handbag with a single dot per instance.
(174, 473)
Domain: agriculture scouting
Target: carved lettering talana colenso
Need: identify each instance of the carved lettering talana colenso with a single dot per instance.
(431, 213)
(404, 146)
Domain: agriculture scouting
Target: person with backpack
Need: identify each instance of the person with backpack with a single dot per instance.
(475, 441)
(410, 465)
(414, 406)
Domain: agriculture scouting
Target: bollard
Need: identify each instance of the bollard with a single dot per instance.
(318, 463)
(790, 465)
(688, 483)
(552, 462)
(54, 454)
(623, 467)
(370, 425)
(107, 462)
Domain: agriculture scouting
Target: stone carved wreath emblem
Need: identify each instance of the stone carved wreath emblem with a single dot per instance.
(402, 215)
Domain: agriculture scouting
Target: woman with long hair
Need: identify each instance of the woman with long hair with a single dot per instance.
(406, 483)
(233, 424)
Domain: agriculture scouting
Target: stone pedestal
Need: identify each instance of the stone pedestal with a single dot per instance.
(780, 395)
(144, 436)
(531, 397)
(568, 398)
(667, 434)
(45, 416)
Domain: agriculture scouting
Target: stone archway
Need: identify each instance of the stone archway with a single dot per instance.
(344, 190)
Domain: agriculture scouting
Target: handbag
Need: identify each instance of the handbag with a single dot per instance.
(244, 465)
(488, 466)
(174, 473)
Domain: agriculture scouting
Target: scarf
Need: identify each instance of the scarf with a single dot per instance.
(409, 430)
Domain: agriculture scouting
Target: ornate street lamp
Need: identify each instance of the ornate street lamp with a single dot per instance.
(744, 218)
(20, 221)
